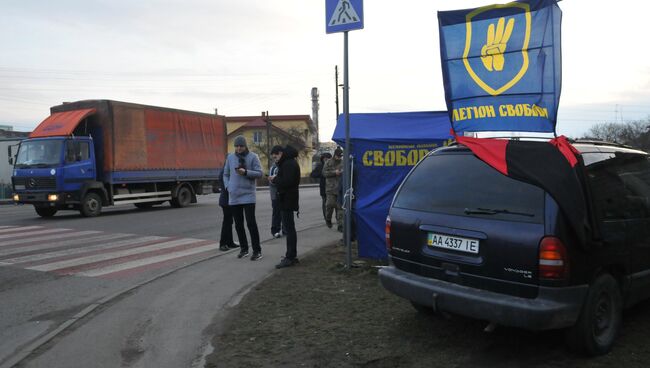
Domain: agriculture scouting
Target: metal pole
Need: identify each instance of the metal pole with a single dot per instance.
(336, 88)
(346, 157)
(268, 141)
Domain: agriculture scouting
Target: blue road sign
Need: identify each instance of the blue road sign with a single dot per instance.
(343, 15)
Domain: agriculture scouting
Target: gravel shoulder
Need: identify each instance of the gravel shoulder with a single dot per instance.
(320, 314)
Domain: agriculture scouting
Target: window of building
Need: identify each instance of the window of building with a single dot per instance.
(257, 137)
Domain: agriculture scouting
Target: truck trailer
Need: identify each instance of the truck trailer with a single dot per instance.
(95, 153)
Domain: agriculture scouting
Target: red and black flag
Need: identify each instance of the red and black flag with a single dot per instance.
(550, 165)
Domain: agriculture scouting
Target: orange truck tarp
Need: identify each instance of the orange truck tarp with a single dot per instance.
(133, 137)
(60, 123)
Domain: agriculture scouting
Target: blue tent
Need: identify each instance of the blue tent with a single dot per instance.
(385, 147)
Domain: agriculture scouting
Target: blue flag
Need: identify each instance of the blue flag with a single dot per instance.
(501, 66)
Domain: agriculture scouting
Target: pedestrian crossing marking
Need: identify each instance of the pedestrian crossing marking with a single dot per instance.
(26, 249)
(59, 235)
(344, 13)
(128, 265)
(93, 253)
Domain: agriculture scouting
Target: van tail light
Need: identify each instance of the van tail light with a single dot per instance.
(389, 245)
(553, 259)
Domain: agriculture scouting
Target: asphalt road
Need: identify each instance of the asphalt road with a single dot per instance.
(131, 288)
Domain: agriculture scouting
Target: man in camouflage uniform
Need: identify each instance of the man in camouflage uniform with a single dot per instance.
(332, 171)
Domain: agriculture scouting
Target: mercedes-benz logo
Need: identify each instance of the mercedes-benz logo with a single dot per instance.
(32, 182)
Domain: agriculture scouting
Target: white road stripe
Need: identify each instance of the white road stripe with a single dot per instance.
(111, 255)
(47, 237)
(32, 233)
(12, 228)
(69, 251)
(147, 261)
(5, 226)
(29, 248)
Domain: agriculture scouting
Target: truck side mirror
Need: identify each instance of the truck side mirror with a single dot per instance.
(11, 161)
(9, 157)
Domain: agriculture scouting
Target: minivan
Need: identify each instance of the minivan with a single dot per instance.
(465, 239)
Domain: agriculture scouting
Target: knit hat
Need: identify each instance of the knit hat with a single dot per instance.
(276, 149)
(240, 140)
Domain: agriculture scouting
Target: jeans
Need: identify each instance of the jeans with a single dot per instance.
(238, 212)
(292, 238)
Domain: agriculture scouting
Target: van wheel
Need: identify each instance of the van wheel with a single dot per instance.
(600, 319)
(45, 211)
(423, 309)
(183, 198)
(91, 206)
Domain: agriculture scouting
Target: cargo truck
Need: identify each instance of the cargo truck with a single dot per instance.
(95, 153)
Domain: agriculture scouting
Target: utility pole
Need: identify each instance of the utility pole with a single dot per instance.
(314, 113)
(336, 88)
(268, 122)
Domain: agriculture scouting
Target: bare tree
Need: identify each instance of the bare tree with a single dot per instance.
(293, 136)
(633, 133)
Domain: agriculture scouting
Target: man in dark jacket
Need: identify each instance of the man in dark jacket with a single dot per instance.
(286, 182)
(276, 216)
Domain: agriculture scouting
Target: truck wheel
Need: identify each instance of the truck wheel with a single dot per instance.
(183, 198)
(91, 205)
(45, 211)
(600, 319)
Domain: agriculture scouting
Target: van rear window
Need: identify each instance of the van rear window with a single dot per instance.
(461, 184)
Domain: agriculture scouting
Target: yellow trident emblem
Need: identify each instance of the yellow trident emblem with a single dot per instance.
(492, 52)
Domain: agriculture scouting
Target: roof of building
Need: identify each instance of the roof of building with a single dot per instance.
(259, 121)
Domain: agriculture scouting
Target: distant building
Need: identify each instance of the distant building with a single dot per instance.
(296, 130)
(7, 138)
(10, 133)
(6, 127)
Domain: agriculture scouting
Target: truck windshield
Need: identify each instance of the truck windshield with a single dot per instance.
(41, 153)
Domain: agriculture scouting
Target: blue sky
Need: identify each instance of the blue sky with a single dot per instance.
(248, 56)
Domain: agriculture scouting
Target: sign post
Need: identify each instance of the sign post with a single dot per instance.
(344, 16)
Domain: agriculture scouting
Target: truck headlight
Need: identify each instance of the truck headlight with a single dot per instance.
(16, 197)
(53, 197)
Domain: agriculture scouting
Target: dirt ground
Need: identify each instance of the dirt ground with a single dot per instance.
(319, 314)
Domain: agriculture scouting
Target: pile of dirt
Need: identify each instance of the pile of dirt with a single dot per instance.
(320, 314)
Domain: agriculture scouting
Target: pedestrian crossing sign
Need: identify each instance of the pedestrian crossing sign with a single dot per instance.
(343, 15)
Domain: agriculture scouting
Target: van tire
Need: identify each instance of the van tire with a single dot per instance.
(600, 319)
(91, 206)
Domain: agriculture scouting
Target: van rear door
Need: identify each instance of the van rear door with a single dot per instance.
(456, 218)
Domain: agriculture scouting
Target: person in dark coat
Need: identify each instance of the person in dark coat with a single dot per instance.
(287, 181)
(318, 174)
(226, 241)
(276, 216)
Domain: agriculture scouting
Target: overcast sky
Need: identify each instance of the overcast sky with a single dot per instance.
(248, 56)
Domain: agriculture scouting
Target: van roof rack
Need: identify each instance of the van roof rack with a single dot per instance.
(597, 142)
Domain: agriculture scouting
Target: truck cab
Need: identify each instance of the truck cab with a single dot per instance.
(52, 173)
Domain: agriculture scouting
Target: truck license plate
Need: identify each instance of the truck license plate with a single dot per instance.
(453, 242)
